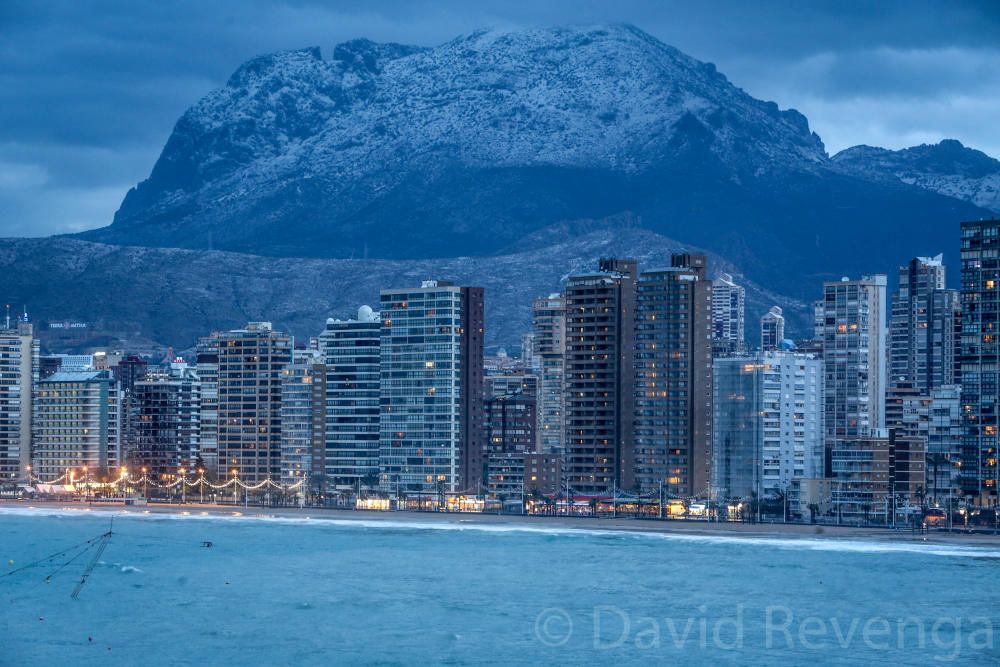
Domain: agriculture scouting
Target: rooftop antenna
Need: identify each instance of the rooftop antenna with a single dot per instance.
(25, 313)
(8, 316)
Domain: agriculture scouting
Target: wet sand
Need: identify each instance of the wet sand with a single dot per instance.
(679, 526)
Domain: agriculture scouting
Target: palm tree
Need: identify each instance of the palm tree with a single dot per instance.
(317, 485)
(370, 480)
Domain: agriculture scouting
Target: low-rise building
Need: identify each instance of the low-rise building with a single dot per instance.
(874, 476)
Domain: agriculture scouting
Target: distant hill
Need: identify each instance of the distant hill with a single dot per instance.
(948, 168)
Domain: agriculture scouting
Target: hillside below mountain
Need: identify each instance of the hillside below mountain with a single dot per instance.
(172, 296)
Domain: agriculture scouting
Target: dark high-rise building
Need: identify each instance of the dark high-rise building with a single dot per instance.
(673, 389)
(251, 362)
(167, 423)
(600, 376)
(922, 329)
(128, 372)
(431, 389)
(511, 404)
(979, 359)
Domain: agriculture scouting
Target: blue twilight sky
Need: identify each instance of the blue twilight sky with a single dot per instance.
(89, 91)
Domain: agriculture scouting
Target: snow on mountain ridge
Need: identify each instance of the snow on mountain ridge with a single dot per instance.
(610, 97)
(948, 168)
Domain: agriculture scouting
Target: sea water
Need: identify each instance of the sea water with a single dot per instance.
(316, 592)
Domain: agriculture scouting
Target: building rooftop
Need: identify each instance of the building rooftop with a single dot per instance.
(77, 376)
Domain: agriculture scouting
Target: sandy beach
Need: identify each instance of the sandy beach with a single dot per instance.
(678, 526)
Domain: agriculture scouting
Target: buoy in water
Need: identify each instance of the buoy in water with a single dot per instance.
(10, 563)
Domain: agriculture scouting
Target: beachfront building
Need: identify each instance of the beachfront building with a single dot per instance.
(511, 404)
(167, 423)
(251, 361)
(77, 414)
(600, 377)
(873, 477)
(548, 358)
(673, 387)
(350, 350)
(431, 431)
(768, 424)
(303, 414)
(18, 377)
(979, 361)
(207, 369)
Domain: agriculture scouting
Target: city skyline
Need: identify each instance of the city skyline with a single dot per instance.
(507, 333)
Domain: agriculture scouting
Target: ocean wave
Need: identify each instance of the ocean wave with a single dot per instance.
(807, 543)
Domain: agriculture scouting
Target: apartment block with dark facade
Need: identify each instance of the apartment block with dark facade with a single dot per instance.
(979, 360)
(251, 365)
(600, 377)
(673, 389)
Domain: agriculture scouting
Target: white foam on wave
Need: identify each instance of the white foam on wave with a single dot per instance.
(836, 544)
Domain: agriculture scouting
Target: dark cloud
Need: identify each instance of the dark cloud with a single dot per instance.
(89, 91)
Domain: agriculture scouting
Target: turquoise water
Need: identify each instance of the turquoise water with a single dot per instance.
(299, 592)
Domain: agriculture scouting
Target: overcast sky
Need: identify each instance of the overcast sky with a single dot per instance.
(89, 91)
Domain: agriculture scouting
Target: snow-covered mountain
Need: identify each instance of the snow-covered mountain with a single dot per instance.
(473, 147)
(948, 168)
(504, 158)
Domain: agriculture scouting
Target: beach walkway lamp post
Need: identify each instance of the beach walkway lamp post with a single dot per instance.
(86, 485)
(183, 487)
(124, 480)
(236, 484)
(145, 482)
(201, 486)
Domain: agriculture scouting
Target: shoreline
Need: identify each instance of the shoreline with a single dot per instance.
(529, 522)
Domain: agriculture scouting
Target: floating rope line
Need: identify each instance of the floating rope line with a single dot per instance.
(86, 544)
(100, 543)
(93, 561)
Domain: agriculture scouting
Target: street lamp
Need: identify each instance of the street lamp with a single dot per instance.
(124, 480)
(86, 484)
(183, 487)
(201, 485)
(144, 481)
(235, 486)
